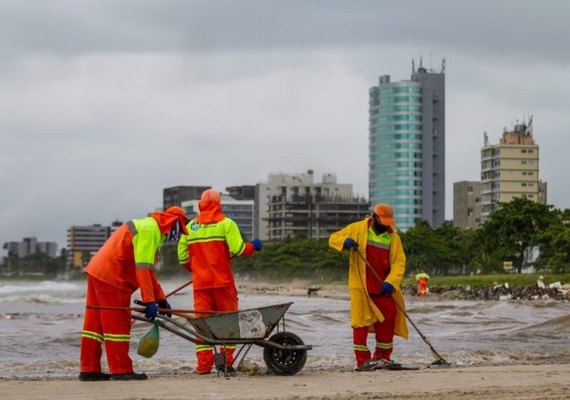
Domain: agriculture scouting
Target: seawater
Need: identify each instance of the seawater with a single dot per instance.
(40, 325)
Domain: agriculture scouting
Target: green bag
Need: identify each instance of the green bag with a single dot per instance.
(148, 345)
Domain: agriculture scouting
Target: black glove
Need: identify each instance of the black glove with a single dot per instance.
(164, 304)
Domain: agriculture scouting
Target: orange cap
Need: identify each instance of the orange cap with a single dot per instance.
(211, 195)
(386, 214)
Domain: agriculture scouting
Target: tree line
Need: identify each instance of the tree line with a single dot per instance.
(506, 236)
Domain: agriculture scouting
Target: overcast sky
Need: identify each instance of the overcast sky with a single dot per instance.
(105, 103)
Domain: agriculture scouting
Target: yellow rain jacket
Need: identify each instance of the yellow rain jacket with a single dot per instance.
(363, 310)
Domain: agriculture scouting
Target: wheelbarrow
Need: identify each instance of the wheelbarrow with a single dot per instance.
(284, 353)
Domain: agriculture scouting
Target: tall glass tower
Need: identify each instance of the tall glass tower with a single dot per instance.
(407, 146)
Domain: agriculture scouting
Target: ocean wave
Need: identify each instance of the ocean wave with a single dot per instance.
(553, 328)
(41, 287)
(44, 299)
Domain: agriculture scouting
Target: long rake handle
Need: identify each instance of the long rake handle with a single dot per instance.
(424, 337)
(179, 288)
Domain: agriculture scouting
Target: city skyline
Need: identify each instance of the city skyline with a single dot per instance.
(107, 103)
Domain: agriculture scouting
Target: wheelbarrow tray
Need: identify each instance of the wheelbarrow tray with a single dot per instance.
(254, 323)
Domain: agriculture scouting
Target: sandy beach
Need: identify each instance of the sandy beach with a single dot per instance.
(522, 382)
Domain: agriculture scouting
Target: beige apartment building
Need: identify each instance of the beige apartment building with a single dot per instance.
(510, 169)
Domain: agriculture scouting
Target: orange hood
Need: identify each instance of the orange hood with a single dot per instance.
(210, 206)
(166, 219)
(210, 212)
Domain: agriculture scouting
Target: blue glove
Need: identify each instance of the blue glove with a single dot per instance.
(151, 309)
(164, 304)
(257, 245)
(386, 289)
(349, 243)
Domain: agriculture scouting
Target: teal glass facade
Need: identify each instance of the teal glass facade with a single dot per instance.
(406, 147)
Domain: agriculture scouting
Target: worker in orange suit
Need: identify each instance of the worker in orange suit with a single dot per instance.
(122, 265)
(206, 251)
(422, 279)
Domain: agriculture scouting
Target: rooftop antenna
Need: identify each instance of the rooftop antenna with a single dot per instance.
(443, 65)
(529, 126)
(413, 66)
(485, 138)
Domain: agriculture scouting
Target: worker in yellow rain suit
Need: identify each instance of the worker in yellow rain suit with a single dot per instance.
(372, 300)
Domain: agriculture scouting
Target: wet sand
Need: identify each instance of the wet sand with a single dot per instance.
(522, 382)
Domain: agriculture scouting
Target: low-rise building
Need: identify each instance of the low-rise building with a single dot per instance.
(176, 195)
(84, 241)
(467, 204)
(28, 246)
(294, 205)
(241, 211)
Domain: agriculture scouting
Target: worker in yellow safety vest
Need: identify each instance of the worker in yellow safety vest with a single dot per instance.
(206, 251)
(122, 265)
(422, 279)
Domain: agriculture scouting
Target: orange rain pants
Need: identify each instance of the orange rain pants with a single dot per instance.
(384, 333)
(215, 299)
(111, 327)
(422, 287)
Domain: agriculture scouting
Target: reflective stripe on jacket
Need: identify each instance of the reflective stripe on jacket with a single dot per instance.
(209, 248)
(363, 310)
(127, 258)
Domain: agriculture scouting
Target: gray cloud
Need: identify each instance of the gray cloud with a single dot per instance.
(105, 103)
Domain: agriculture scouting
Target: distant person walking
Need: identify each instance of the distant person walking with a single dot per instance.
(206, 251)
(121, 266)
(374, 240)
(422, 279)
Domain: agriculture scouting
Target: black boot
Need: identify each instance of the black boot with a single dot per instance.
(93, 376)
(129, 376)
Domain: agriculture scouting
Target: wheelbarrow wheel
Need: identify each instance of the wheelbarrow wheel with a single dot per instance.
(284, 362)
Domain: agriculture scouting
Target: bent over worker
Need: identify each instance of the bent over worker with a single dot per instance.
(206, 251)
(121, 266)
(372, 295)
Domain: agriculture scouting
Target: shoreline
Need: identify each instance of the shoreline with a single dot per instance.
(521, 382)
(299, 287)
